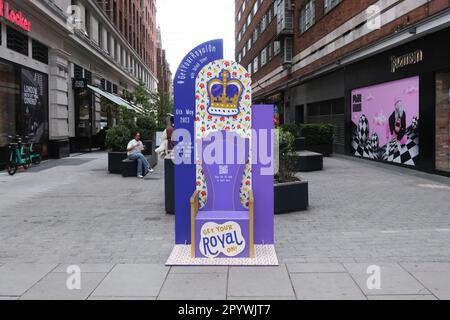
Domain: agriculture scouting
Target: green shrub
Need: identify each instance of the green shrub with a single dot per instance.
(117, 138)
(317, 134)
(294, 129)
(286, 171)
(146, 126)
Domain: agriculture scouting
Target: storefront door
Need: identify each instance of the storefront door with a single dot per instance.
(84, 120)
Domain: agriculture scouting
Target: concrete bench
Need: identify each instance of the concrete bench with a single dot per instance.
(305, 161)
(129, 168)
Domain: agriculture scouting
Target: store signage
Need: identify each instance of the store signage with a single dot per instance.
(79, 83)
(15, 17)
(406, 60)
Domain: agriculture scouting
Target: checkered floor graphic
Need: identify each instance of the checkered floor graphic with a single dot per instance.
(265, 256)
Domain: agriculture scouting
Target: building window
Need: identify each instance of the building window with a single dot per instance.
(40, 52)
(255, 35)
(255, 65)
(264, 23)
(330, 4)
(276, 48)
(17, 41)
(77, 71)
(87, 22)
(100, 36)
(307, 16)
(263, 57)
(249, 44)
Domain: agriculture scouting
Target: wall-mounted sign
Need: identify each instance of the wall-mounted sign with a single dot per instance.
(15, 17)
(406, 60)
(79, 83)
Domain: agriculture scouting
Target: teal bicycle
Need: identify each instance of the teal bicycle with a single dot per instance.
(21, 155)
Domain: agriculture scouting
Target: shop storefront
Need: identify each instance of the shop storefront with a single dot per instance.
(24, 105)
(397, 105)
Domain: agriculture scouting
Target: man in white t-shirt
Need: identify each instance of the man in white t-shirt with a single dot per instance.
(134, 151)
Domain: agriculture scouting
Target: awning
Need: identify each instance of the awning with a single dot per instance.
(113, 98)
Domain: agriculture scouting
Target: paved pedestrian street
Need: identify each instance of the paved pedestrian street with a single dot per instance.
(72, 212)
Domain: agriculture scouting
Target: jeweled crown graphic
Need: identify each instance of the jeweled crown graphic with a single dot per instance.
(224, 95)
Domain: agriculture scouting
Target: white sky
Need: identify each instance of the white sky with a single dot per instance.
(188, 23)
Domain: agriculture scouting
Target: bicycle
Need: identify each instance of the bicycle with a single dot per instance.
(29, 149)
(18, 156)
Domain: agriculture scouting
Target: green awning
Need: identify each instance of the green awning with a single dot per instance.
(115, 99)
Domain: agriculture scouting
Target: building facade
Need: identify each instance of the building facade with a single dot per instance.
(65, 64)
(165, 82)
(377, 70)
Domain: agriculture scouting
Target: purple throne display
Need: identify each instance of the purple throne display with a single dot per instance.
(224, 226)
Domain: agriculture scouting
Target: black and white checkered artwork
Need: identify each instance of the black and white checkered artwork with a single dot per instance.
(394, 151)
(363, 129)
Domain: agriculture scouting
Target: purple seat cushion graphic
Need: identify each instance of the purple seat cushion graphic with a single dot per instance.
(224, 176)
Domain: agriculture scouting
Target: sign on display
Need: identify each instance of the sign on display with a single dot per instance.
(226, 239)
(15, 17)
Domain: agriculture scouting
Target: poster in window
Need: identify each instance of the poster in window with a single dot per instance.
(385, 121)
(35, 106)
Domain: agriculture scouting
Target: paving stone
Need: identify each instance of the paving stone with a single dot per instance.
(394, 280)
(122, 298)
(190, 286)
(134, 280)
(326, 286)
(315, 268)
(86, 268)
(436, 282)
(195, 269)
(404, 297)
(53, 287)
(261, 298)
(427, 267)
(259, 282)
(15, 279)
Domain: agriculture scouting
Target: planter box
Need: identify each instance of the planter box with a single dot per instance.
(115, 162)
(148, 144)
(325, 149)
(291, 197)
(306, 161)
(300, 144)
(169, 186)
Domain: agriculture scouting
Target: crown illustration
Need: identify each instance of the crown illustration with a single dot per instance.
(224, 95)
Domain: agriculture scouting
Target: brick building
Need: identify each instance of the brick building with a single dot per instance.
(314, 59)
(165, 83)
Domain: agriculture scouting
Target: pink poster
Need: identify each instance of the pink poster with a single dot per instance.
(385, 121)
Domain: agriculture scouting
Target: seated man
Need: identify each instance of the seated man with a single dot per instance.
(134, 151)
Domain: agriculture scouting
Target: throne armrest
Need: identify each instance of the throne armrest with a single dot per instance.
(251, 217)
(195, 203)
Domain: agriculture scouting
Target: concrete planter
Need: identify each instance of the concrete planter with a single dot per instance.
(291, 197)
(115, 162)
(325, 149)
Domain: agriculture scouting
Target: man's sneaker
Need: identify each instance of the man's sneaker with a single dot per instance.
(146, 172)
(140, 177)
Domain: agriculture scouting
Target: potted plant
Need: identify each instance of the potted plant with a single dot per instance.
(117, 139)
(319, 138)
(290, 193)
(299, 142)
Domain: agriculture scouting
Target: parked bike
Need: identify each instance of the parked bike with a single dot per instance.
(21, 155)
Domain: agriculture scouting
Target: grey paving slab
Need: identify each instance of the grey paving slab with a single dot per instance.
(53, 287)
(261, 298)
(404, 297)
(436, 282)
(259, 282)
(8, 298)
(427, 267)
(394, 279)
(315, 268)
(15, 279)
(195, 269)
(132, 280)
(86, 268)
(122, 298)
(326, 286)
(188, 286)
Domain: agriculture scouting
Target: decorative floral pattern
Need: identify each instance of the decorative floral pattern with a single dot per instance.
(206, 123)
